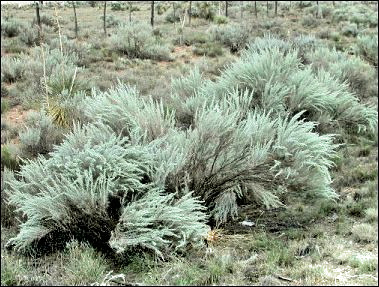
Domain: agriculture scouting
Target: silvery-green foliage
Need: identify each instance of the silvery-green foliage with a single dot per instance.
(290, 87)
(160, 223)
(359, 74)
(8, 216)
(11, 27)
(40, 135)
(367, 47)
(80, 49)
(94, 148)
(235, 36)
(186, 86)
(59, 70)
(232, 153)
(123, 109)
(303, 158)
(300, 44)
(53, 59)
(12, 69)
(63, 80)
(346, 106)
(268, 42)
(93, 169)
(29, 36)
(98, 149)
(136, 41)
(65, 207)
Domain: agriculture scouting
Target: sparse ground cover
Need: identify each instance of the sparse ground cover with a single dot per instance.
(198, 77)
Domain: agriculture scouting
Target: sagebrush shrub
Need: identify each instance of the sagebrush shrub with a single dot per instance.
(350, 30)
(293, 86)
(367, 47)
(123, 109)
(168, 224)
(29, 36)
(72, 47)
(39, 136)
(233, 36)
(360, 14)
(8, 216)
(85, 186)
(136, 41)
(309, 21)
(360, 76)
(11, 27)
(12, 69)
(47, 20)
(208, 49)
(205, 10)
(138, 178)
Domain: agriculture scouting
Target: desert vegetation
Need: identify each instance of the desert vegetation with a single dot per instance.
(189, 143)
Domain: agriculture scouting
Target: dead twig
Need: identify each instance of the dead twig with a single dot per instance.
(284, 278)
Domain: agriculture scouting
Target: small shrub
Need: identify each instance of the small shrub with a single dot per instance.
(80, 49)
(319, 10)
(220, 20)
(29, 36)
(110, 21)
(350, 30)
(360, 14)
(310, 22)
(371, 214)
(335, 36)
(324, 34)
(328, 207)
(8, 214)
(40, 135)
(360, 76)
(12, 69)
(204, 10)
(217, 268)
(118, 6)
(47, 20)
(208, 49)
(194, 38)
(233, 36)
(4, 90)
(11, 28)
(364, 233)
(304, 4)
(13, 270)
(161, 8)
(172, 18)
(367, 47)
(187, 86)
(136, 41)
(9, 157)
(8, 132)
(280, 256)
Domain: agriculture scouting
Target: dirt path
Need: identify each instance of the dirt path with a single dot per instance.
(16, 116)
